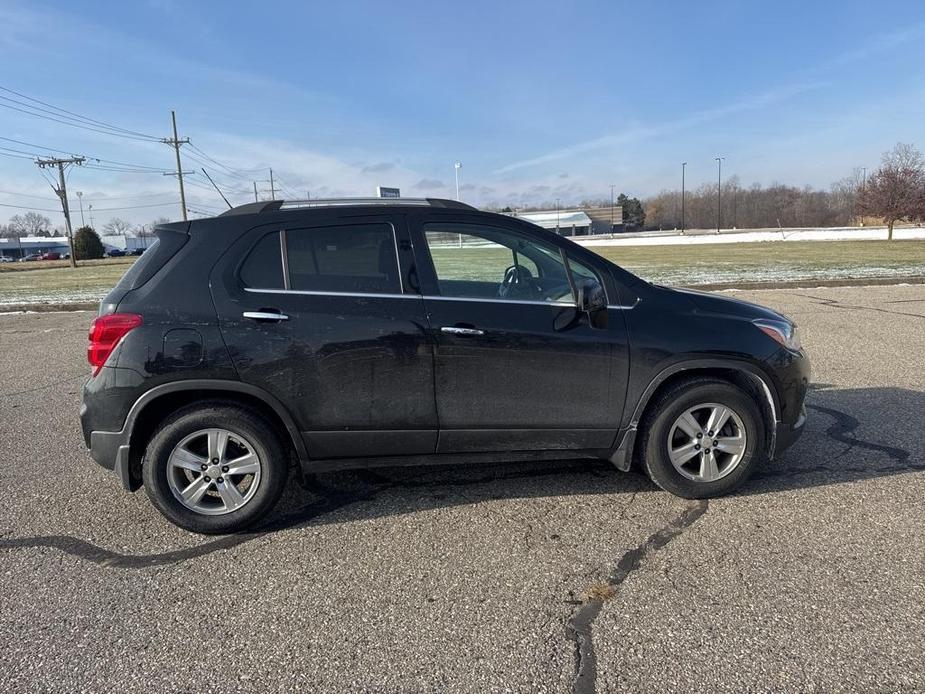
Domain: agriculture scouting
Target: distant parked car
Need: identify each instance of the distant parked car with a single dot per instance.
(30, 257)
(136, 251)
(51, 256)
(116, 253)
(5, 259)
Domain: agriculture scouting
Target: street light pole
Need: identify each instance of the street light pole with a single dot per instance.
(683, 167)
(719, 192)
(456, 167)
(611, 208)
(80, 197)
(557, 215)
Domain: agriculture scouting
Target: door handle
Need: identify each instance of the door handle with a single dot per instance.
(453, 330)
(275, 316)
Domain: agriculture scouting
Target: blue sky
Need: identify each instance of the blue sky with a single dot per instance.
(538, 100)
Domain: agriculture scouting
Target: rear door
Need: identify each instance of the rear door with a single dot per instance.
(518, 367)
(321, 315)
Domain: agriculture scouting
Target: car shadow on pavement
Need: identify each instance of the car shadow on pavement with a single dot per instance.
(851, 435)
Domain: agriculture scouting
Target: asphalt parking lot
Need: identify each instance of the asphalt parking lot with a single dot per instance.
(529, 577)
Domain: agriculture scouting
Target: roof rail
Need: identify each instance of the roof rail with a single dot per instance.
(276, 205)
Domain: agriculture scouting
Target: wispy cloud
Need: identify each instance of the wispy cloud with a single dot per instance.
(638, 133)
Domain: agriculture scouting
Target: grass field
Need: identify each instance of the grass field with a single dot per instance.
(692, 265)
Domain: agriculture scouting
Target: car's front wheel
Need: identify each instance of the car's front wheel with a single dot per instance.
(703, 438)
(214, 468)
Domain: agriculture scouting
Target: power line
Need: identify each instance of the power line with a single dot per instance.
(24, 195)
(71, 115)
(75, 125)
(24, 207)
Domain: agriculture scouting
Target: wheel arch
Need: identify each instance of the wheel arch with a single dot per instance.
(153, 406)
(745, 375)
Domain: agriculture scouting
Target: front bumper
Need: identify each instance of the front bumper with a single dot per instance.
(787, 434)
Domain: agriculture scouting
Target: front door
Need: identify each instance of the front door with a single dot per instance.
(518, 367)
(322, 317)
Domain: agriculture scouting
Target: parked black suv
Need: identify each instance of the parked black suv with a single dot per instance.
(350, 333)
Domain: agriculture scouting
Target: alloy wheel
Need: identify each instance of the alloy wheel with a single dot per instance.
(707, 442)
(214, 471)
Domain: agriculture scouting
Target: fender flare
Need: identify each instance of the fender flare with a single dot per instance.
(621, 455)
(214, 384)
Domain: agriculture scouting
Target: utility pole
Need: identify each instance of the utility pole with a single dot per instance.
(61, 190)
(91, 217)
(80, 197)
(456, 167)
(719, 192)
(255, 192)
(175, 142)
(612, 186)
(557, 215)
(683, 167)
(272, 187)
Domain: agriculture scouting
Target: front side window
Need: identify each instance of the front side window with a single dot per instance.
(474, 261)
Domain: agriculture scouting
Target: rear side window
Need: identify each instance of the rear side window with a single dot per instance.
(349, 258)
(263, 267)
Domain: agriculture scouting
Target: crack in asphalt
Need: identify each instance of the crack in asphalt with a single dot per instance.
(835, 303)
(579, 626)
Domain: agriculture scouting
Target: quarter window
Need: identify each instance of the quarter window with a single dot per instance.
(263, 267)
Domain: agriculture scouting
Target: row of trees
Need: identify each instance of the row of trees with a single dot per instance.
(894, 192)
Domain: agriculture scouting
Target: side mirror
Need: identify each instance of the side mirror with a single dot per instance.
(591, 296)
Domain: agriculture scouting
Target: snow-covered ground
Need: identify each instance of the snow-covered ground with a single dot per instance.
(670, 238)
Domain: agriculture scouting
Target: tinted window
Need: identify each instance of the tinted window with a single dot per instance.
(351, 258)
(489, 262)
(263, 267)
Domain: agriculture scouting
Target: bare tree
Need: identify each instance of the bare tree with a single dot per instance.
(29, 224)
(895, 190)
(116, 226)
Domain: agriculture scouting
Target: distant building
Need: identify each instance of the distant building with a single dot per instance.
(125, 242)
(601, 219)
(27, 245)
(564, 222)
(577, 222)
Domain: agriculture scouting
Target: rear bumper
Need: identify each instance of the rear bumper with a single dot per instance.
(111, 450)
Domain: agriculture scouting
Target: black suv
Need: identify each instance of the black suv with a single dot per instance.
(353, 333)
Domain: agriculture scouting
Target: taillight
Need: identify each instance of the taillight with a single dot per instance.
(105, 333)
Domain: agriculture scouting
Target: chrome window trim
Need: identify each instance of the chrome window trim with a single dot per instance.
(308, 292)
(500, 301)
(430, 297)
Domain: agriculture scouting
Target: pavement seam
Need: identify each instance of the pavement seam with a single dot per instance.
(578, 628)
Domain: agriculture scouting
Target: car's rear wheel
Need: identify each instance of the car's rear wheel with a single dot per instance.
(703, 438)
(214, 468)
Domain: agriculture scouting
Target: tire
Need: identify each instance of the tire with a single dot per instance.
(668, 428)
(219, 501)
